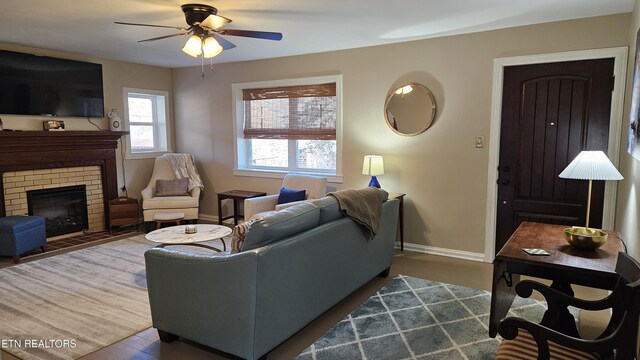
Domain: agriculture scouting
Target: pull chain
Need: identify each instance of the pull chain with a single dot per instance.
(202, 65)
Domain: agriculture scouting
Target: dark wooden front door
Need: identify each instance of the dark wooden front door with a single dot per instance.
(550, 112)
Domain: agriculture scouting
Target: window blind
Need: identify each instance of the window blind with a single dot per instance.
(305, 112)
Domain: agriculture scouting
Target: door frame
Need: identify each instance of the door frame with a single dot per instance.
(615, 128)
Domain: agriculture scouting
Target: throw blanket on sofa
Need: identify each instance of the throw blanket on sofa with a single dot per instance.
(183, 165)
(364, 206)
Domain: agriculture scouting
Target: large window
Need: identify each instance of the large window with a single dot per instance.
(146, 117)
(291, 125)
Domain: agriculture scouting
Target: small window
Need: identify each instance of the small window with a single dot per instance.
(146, 119)
(291, 125)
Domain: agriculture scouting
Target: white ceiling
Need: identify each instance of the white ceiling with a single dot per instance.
(86, 26)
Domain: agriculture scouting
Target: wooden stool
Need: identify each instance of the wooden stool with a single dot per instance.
(160, 218)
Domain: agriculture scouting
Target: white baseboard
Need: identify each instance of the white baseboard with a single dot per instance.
(459, 254)
(212, 218)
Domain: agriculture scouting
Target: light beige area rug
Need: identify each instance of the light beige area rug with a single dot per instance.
(68, 305)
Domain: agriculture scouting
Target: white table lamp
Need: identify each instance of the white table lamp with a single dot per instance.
(589, 165)
(373, 165)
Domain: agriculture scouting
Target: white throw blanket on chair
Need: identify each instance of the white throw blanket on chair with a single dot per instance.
(183, 165)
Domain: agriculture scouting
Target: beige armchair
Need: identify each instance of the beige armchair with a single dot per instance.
(152, 204)
(316, 187)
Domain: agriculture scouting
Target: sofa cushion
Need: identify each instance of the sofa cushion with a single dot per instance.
(178, 187)
(240, 232)
(384, 195)
(289, 195)
(329, 209)
(281, 224)
(170, 202)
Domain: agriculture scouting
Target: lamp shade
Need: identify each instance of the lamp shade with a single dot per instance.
(210, 47)
(591, 165)
(373, 165)
(193, 46)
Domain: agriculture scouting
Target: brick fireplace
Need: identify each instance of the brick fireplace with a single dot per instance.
(32, 160)
(18, 183)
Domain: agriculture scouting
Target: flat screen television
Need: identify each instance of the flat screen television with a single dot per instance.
(41, 85)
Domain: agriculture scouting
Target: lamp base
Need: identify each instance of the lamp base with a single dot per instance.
(585, 238)
(374, 182)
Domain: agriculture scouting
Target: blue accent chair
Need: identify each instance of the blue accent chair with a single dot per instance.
(21, 234)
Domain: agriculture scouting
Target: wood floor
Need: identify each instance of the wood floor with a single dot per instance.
(146, 345)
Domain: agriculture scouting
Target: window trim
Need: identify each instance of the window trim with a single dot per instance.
(241, 146)
(127, 144)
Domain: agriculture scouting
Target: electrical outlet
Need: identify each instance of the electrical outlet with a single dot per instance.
(479, 142)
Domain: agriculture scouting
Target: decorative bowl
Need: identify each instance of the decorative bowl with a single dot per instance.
(190, 229)
(585, 238)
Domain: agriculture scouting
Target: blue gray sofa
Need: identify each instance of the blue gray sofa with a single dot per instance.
(295, 265)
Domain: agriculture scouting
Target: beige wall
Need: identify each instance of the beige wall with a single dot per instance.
(443, 174)
(628, 209)
(116, 75)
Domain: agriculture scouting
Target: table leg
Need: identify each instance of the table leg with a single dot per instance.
(401, 223)
(236, 207)
(502, 295)
(219, 210)
(193, 244)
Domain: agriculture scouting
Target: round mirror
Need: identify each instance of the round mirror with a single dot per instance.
(410, 109)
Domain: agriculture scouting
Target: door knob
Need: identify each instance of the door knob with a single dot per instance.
(506, 168)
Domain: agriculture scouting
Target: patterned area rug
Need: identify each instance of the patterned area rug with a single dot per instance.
(411, 318)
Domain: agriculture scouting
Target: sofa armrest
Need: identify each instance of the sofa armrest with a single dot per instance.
(207, 298)
(147, 193)
(259, 204)
(195, 192)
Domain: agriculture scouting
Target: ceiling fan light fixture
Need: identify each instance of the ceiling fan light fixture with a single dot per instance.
(193, 47)
(205, 29)
(211, 47)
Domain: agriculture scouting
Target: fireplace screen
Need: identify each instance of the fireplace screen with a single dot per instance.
(64, 208)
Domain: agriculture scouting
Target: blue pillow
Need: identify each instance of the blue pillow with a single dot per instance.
(288, 195)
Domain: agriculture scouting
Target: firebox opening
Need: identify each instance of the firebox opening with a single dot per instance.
(64, 208)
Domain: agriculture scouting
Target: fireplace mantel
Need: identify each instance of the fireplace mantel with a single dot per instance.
(33, 150)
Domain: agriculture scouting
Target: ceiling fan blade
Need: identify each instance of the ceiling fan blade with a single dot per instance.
(160, 26)
(267, 35)
(226, 44)
(163, 37)
(214, 21)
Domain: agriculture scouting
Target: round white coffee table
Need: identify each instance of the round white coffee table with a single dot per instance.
(175, 235)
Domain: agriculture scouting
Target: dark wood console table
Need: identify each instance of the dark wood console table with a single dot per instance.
(565, 264)
(400, 196)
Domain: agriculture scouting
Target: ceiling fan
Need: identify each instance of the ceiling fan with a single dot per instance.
(205, 25)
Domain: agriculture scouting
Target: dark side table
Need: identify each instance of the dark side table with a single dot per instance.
(123, 211)
(400, 196)
(565, 265)
(237, 196)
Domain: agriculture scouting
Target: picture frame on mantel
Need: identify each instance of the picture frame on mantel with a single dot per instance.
(633, 147)
(53, 125)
